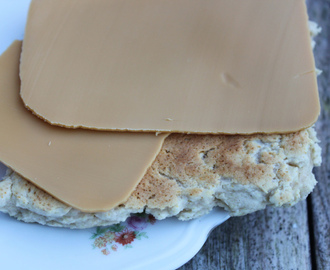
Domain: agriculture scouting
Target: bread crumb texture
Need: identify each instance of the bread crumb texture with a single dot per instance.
(191, 175)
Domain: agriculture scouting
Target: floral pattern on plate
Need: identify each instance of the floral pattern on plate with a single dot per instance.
(114, 237)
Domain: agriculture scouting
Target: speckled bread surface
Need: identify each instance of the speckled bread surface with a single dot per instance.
(191, 175)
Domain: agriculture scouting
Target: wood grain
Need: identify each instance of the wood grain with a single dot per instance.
(287, 238)
(269, 239)
(320, 198)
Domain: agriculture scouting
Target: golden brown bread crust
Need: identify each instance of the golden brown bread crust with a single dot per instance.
(191, 175)
(199, 161)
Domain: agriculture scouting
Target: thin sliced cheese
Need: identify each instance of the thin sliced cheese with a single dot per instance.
(89, 170)
(192, 66)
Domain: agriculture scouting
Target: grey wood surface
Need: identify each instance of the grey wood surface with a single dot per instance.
(286, 238)
(320, 198)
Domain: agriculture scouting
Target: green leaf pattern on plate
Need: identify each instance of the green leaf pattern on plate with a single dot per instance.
(110, 239)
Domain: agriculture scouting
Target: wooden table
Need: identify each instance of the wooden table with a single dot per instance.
(285, 238)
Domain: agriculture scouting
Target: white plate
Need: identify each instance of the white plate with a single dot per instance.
(164, 245)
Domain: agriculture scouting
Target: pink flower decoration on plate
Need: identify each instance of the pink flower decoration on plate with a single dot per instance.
(117, 236)
(137, 223)
(105, 251)
(125, 237)
(100, 242)
(114, 247)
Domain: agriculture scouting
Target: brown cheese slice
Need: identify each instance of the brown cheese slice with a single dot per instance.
(89, 170)
(192, 66)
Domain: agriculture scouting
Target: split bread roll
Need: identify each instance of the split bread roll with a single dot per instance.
(191, 175)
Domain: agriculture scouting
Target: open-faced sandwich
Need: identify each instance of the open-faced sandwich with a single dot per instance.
(172, 108)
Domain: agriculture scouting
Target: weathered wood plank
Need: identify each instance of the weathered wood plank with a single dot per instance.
(319, 11)
(269, 239)
(279, 238)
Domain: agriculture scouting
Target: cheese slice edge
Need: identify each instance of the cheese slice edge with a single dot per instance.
(89, 170)
(188, 66)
